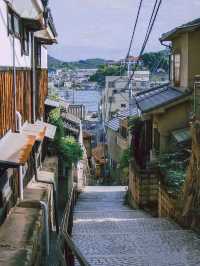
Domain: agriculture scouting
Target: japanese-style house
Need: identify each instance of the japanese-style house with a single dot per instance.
(117, 134)
(166, 110)
(26, 28)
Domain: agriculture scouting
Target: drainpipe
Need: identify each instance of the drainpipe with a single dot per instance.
(170, 48)
(19, 129)
(33, 77)
(42, 205)
(14, 80)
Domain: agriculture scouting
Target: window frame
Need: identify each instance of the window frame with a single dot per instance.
(175, 69)
(123, 132)
(156, 139)
(38, 54)
(11, 15)
(25, 41)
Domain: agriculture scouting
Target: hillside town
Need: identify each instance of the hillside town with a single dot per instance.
(99, 158)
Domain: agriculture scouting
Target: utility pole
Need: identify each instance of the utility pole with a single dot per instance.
(129, 85)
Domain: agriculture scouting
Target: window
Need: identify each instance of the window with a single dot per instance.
(177, 66)
(38, 54)
(111, 99)
(14, 23)
(114, 91)
(25, 42)
(10, 24)
(172, 68)
(156, 140)
(111, 84)
(175, 69)
(123, 105)
(124, 132)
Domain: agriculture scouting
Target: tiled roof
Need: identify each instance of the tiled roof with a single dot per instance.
(113, 124)
(192, 25)
(182, 135)
(126, 113)
(158, 97)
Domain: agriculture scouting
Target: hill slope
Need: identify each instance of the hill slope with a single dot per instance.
(54, 63)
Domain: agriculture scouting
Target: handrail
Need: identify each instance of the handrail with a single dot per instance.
(75, 250)
(65, 231)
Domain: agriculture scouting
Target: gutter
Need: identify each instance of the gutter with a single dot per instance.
(33, 78)
(44, 207)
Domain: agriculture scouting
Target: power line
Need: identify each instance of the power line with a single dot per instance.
(148, 33)
(134, 30)
(122, 67)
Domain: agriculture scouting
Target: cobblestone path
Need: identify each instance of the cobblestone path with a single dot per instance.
(110, 234)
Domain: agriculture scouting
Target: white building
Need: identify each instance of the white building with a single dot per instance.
(115, 96)
(141, 81)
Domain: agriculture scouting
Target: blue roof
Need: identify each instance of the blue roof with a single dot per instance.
(158, 97)
(126, 113)
(113, 124)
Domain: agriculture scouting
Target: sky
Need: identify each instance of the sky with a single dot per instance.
(102, 28)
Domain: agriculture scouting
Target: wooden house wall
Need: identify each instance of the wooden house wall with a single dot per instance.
(42, 84)
(24, 94)
(23, 97)
(6, 102)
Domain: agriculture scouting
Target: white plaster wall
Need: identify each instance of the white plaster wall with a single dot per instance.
(44, 57)
(6, 44)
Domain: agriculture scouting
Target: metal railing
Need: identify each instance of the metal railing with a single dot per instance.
(67, 249)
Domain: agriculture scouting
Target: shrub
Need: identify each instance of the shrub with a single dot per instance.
(65, 146)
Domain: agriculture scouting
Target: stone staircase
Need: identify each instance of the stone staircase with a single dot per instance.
(109, 233)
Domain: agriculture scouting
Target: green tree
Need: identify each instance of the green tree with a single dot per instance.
(104, 71)
(156, 60)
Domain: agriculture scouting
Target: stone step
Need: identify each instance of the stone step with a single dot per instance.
(124, 260)
(113, 214)
(122, 225)
(158, 248)
(102, 207)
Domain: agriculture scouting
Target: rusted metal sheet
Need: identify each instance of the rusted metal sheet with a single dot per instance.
(15, 149)
(35, 130)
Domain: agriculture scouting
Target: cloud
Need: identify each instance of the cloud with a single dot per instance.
(102, 28)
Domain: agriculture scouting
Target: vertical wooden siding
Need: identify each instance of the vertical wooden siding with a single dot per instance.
(23, 98)
(42, 87)
(24, 94)
(7, 120)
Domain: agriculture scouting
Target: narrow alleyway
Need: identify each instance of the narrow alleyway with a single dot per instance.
(109, 233)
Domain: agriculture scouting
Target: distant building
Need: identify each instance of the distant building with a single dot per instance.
(141, 81)
(114, 96)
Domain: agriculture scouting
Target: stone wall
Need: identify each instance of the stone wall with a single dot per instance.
(166, 204)
(144, 187)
